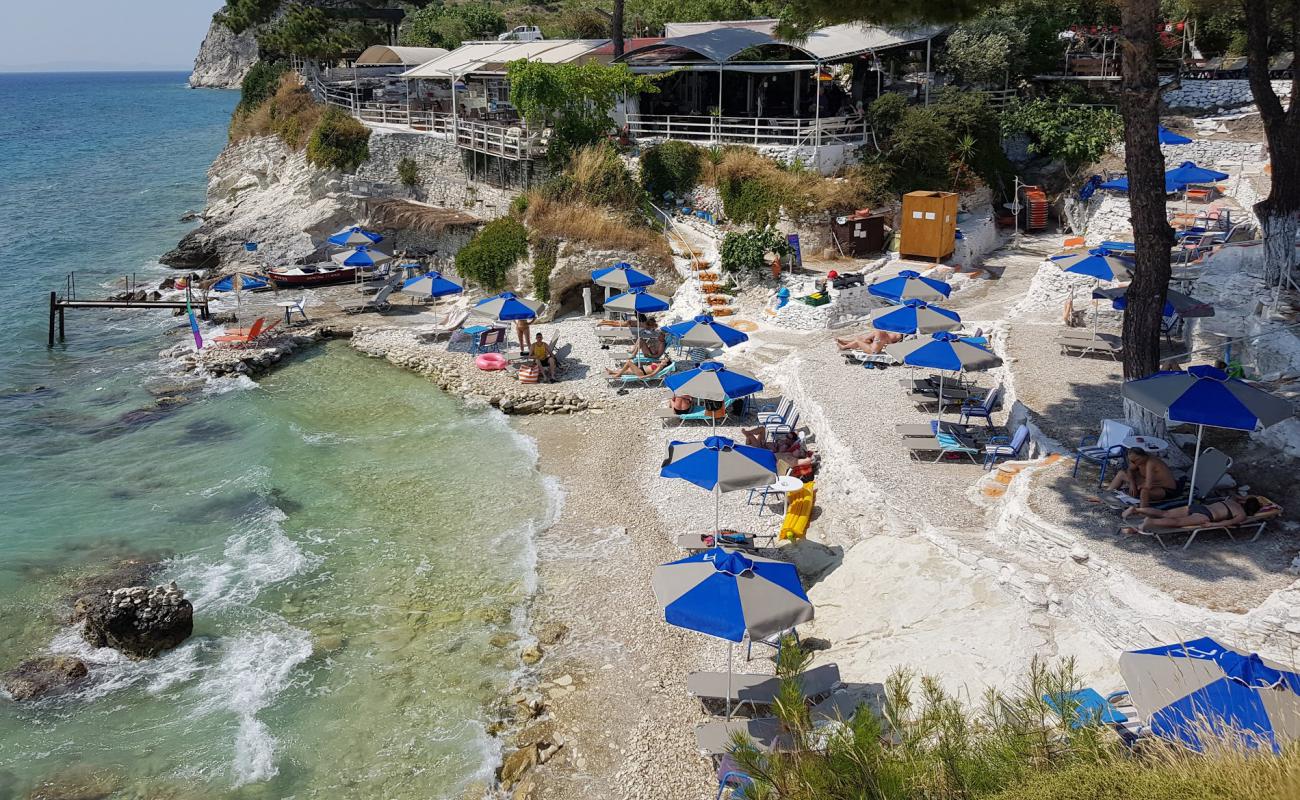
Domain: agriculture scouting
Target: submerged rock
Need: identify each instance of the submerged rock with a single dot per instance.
(136, 621)
(531, 655)
(45, 675)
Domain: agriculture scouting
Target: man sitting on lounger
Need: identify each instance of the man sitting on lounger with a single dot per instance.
(547, 364)
(1147, 478)
(871, 342)
(1229, 512)
(631, 367)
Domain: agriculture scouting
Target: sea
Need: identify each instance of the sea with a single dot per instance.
(358, 546)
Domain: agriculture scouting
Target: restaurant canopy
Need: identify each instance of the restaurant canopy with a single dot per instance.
(382, 55)
(492, 57)
(727, 43)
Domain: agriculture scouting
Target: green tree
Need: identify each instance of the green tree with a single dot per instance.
(1076, 135)
(240, 15)
(338, 141)
(450, 25)
(746, 251)
(493, 251)
(920, 150)
(573, 99)
(309, 31)
(981, 51)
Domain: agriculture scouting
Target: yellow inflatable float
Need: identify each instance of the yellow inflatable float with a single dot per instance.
(799, 512)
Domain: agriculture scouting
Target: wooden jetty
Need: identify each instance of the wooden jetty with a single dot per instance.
(59, 304)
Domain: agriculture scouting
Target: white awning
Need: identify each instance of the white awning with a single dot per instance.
(721, 42)
(843, 41)
(381, 55)
(473, 57)
(675, 29)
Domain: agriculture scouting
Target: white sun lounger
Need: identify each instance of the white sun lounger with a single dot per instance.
(1083, 342)
(759, 690)
(716, 738)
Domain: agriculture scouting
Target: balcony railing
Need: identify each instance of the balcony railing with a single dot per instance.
(783, 131)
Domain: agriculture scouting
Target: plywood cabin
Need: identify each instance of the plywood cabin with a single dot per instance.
(929, 225)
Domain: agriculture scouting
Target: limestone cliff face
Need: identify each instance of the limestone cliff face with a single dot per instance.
(223, 58)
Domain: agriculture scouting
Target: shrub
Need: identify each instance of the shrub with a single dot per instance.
(886, 112)
(519, 206)
(744, 251)
(408, 172)
(755, 189)
(671, 166)
(290, 113)
(259, 84)
(338, 141)
(919, 150)
(598, 176)
(577, 221)
(439, 25)
(496, 248)
(1075, 135)
(543, 264)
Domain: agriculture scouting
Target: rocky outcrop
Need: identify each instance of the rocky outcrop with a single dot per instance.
(38, 677)
(260, 190)
(136, 621)
(223, 58)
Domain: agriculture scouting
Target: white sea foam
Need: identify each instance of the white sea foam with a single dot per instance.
(222, 384)
(111, 671)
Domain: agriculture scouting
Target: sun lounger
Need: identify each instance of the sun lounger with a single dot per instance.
(760, 690)
(1257, 522)
(253, 333)
(446, 326)
(869, 360)
(1087, 707)
(943, 444)
(766, 733)
(925, 430)
(378, 303)
(1211, 468)
(737, 540)
(1083, 342)
(656, 379)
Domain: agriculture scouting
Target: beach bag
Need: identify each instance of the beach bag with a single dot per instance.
(529, 373)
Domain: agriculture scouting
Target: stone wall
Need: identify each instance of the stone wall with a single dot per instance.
(1217, 95)
(1208, 153)
(442, 165)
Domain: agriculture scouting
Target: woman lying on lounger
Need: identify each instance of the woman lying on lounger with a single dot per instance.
(1229, 512)
(1147, 478)
(872, 342)
(631, 367)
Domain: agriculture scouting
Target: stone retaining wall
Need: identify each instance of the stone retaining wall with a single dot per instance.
(1217, 95)
(443, 180)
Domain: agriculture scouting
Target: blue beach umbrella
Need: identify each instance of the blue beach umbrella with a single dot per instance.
(704, 331)
(1188, 173)
(637, 301)
(354, 235)
(238, 281)
(946, 352)
(1120, 184)
(361, 256)
(506, 306)
(909, 285)
(914, 316)
(1194, 693)
(431, 284)
(719, 465)
(621, 276)
(1205, 395)
(729, 595)
(712, 381)
(1167, 136)
(1094, 265)
(1184, 305)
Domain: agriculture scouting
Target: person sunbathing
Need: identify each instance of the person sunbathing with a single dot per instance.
(1147, 478)
(871, 342)
(652, 342)
(1229, 512)
(681, 403)
(631, 367)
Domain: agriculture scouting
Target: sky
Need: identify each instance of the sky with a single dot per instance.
(53, 35)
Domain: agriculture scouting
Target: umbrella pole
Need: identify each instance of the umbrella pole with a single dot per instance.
(1196, 462)
(728, 680)
(940, 419)
(717, 511)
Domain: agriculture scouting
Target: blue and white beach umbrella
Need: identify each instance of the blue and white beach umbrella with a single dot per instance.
(705, 331)
(946, 352)
(712, 381)
(621, 276)
(719, 465)
(909, 285)
(506, 306)
(1198, 692)
(1094, 265)
(431, 284)
(354, 235)
(637, 301)
(237, 281)
(730, 595)
(914, 316)
(1205, 395)
(361, 256)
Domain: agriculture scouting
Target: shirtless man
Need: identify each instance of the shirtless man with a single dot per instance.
(872, 342)
(1231, 511)
(1147, 478)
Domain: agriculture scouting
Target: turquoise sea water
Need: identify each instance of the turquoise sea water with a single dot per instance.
(349, 580)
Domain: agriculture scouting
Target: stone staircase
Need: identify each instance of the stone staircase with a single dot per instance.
(710, 278)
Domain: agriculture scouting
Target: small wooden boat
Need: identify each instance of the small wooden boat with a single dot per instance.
(311, 274)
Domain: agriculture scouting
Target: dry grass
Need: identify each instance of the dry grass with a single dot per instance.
(290, 113)
(799, 192)
(409, 215)
(581, 222)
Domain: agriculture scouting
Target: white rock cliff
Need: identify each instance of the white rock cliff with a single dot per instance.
(223, 58)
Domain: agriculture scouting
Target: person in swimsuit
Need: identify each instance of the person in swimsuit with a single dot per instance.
(1230, 511)
(631, 367)
(1147, 478)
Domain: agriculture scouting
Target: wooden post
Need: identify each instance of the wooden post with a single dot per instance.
(53, 306)
(61, 313)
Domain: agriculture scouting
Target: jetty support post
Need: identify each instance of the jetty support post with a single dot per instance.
(53, 307)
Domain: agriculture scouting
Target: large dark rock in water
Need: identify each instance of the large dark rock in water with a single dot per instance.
(38, 677)
(196, 250)
(137, 621)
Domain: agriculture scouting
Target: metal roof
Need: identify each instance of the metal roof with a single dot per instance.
(720, 42)
(718, 45)
(844, 41)
(382, 55)
(474, 57)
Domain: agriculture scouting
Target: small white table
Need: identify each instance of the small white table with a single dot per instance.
(1150, 444)
(783, 486)
(288, 307)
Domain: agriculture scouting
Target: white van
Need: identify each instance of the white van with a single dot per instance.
(522, 33)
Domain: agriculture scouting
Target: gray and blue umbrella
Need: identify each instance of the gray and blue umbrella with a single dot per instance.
(506, 306)
(914, 316)
(431, 284)
(729, 595)
(1176, 302)
(1094, 265)
(719, 465)
(1205, 395)
(353, 236)
(705, 331)
(361, 256)
(909, 285)
(621, 276)
(637, 301)
(713, 381)
(946, 352)
(1199, 692)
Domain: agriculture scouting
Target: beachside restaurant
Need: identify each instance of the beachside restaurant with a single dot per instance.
(744, 85)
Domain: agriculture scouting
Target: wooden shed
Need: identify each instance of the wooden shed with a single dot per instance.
(929, 225)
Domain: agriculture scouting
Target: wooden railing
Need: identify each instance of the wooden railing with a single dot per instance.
(788, 131)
